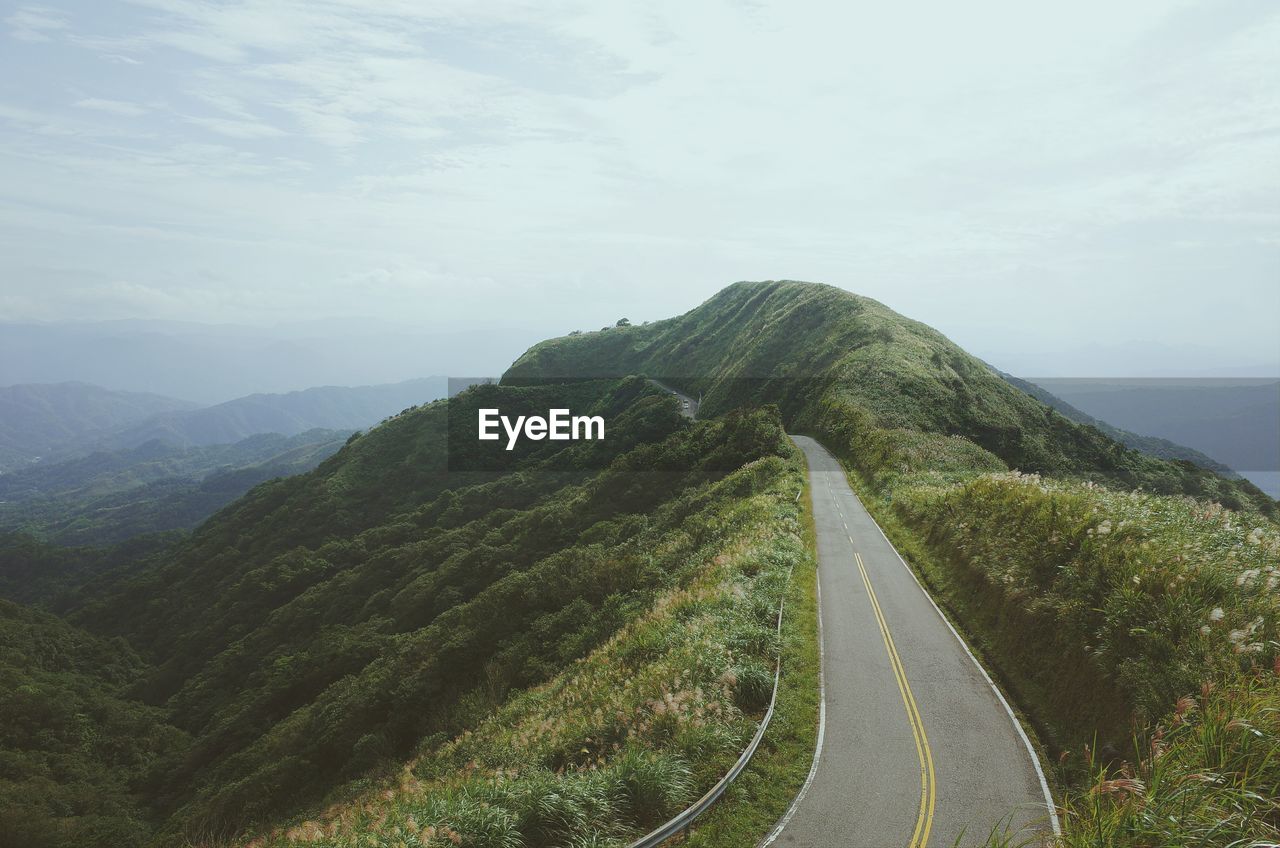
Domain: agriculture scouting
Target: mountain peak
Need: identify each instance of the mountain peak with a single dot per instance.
(826, 355)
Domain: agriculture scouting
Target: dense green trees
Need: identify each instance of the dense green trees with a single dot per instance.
(76, 754)
(316, 630)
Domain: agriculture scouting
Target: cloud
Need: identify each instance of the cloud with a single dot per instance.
(236, 128)
(114, 107)
(35, 23)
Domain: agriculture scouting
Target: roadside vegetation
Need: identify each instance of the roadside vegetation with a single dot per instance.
(1168, 608)
(1159, 593)
(1129, 603)
(761, 795)
(1138, 630)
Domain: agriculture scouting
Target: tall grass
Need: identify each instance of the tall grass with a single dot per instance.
(1209, 775)
(1161, 593)
(1172, 606)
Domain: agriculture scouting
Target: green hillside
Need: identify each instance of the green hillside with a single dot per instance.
(111, 496)
(830, 358)
(324, 628)
(76, 753)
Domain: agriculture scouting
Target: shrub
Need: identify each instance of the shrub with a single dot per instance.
(654, 786)
(754, 687)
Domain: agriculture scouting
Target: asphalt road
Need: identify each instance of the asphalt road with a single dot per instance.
(688, 405)
(917, 747)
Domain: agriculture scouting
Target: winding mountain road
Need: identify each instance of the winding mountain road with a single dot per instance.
(917, 747)
(688, 406)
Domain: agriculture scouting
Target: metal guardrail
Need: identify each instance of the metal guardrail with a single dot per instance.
(683, 820)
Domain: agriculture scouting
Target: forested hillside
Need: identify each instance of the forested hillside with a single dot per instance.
(325, 627)
(75, 749)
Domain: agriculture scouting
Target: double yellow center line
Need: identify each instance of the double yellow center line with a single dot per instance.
(928, 793)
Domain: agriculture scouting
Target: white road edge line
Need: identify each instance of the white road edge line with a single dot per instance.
(822, 714)
(1031, 751)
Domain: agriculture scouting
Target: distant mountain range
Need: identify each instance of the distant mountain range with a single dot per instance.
(85, 465)
(66, 420)
(38, 419)
(111, 496)
(212, 363)
(328, 407)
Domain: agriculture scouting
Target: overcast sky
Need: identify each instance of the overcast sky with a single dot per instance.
(1073, 188)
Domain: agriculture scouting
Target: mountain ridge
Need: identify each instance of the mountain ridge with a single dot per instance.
(36, 418)
(831, 358)
(286, 413)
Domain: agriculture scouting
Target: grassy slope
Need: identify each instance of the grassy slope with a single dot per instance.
(1098, 609)
(831, 359)
(1175, 600)
(764, 791)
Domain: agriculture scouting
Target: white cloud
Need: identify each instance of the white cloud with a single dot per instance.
(114, 107)
(35, 23)
(233, 128)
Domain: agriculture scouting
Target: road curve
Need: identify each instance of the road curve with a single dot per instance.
(688, 406)
(918, 747)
